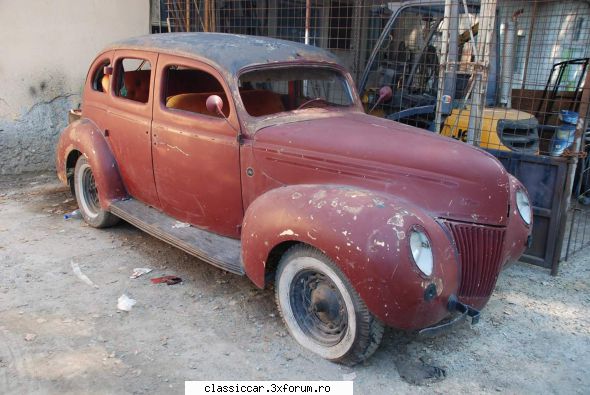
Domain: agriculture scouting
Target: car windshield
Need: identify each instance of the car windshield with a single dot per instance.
(274, 90)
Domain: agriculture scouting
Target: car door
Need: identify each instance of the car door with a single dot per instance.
(128, 122)
(196, 153)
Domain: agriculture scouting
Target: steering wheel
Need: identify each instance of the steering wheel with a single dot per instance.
(312, 101)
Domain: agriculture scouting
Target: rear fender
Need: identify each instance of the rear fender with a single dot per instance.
(83, 136)
(366, 234)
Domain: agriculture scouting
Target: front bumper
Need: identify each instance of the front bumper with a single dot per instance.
(454, 306)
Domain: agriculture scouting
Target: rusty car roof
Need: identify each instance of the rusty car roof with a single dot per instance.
(232, 52)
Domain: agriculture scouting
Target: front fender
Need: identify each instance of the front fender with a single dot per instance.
(366, 234)
(83, 136)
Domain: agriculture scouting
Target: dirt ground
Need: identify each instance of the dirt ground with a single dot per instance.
(61, 335)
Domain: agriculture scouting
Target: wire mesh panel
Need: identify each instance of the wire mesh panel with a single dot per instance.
(579, 220)
(506, 76)
(521, 65)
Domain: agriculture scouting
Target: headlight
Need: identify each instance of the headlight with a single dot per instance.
(524, 206)
(421, 251)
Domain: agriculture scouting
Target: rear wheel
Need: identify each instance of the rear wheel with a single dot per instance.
(321, 309)
(87, 196)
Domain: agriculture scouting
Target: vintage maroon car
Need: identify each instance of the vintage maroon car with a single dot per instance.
(262, 146)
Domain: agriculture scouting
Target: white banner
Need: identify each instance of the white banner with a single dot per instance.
(269, 387)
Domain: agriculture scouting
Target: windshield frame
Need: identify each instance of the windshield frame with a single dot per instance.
(254, 123)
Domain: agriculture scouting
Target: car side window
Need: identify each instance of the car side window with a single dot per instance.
(133, 79)
(187, 89)
(100, 81)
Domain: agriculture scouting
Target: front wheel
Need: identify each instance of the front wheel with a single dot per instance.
(321, 309)
(87, 196)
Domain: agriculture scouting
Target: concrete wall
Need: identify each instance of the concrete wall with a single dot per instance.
(45, 51)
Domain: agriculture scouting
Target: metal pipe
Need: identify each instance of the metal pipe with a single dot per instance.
(507, 64)
(473, 45)
(486, 27)
(452, 57)
(448, 66)
(307, 20)
(207, 17)
(569, 239)
(442, 67)
(213, 17)
(355, 47)
(494, 69)
(528, 48)
(187, 10)
(508, 55)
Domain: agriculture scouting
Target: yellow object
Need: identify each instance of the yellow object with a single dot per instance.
(518, 128)
(105, 82)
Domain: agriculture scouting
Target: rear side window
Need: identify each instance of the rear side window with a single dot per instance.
(133, 79)
(187, 89)
(100, 81)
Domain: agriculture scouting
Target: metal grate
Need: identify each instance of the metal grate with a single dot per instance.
(509, 76)
(480, 254)
(492, 73)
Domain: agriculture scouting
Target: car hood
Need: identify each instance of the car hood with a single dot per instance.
(446, 178)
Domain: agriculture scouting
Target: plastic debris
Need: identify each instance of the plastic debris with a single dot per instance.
(140, 271)
(76, 214)
(170, 280)
(180, 225)
(125, 303)
(30, 337)
(81, 275)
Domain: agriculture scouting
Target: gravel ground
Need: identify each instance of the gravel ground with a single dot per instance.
(61, 335)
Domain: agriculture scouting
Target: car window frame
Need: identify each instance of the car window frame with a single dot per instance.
(164, 62)
(344, 73)
(118, 57)
(90, 95)
(101, 63)
(253, 124)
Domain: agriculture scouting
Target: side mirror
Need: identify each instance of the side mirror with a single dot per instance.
(214, 104)
(385, 93)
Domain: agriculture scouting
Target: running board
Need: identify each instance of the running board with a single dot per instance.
(219, 251)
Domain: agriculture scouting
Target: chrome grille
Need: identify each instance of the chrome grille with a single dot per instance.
(480, 254)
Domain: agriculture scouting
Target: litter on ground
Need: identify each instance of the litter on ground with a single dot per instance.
(125, 303)
(81, 276)
(170, 280)
(140, 271)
